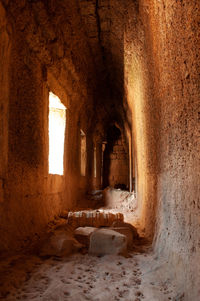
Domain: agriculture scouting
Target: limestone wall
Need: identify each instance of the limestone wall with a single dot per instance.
(175, 52)
(38, 61)
(162, 63)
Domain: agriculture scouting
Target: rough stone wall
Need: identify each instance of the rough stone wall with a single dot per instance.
(144, 117)
(88, 53)
(4, 97)
(162, 87)
(48, 52)
(175, 28)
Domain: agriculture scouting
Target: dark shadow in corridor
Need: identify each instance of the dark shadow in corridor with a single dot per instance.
(113, 134)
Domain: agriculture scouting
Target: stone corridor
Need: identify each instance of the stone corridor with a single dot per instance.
(99, 110)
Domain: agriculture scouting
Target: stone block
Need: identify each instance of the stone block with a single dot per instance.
(125, 231)
(82, 234)
(60, 244)
(106, 241)
(121, 224)
(93, 218)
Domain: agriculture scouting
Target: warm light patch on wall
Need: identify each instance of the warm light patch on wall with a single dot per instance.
(57, 124)
(83, 153)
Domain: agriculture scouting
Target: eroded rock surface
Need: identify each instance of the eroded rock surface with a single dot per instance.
(82, 234)
(125, 231)
(60, 244)
(106, 241)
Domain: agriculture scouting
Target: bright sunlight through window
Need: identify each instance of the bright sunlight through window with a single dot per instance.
(57, 123)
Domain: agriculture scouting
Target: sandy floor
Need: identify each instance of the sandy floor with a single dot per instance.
(83, 277)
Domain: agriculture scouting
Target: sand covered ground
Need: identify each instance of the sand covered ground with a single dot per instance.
(83, 277)
(78, 277)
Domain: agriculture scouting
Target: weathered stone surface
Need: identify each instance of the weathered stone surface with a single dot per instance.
(60, 244)
(117, 224)
(121, 200)
(82, 234)
(125, 231)
(93, 218)
(105, 241)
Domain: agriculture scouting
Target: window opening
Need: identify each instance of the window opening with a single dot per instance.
(57, 124)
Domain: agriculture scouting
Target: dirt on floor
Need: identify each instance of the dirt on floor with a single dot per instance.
(137, 276)
(84, 277)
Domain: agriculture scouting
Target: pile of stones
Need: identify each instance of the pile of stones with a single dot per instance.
(96, 232)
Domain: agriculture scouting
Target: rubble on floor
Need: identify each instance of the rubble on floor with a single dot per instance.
(119, 199)
(60, 244)
(93, 231)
